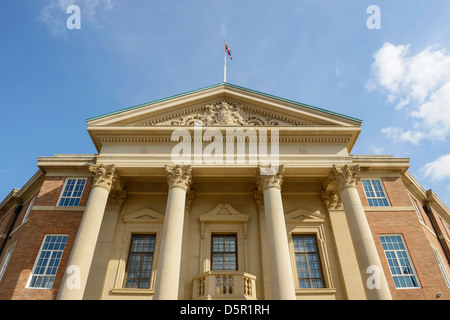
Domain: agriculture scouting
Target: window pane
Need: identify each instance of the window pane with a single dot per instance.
(224, 253)
(46, 267)
(375, 194)
(399, 263)
(140, 260)
(72, 193)
(307, 259)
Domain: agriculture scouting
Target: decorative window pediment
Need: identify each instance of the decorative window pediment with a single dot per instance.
(224, 212)
(304, 216)
(144, 216)
(223, 219)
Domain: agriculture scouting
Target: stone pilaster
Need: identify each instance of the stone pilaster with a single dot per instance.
(332, 200)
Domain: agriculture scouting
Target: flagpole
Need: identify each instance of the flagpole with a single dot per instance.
(224, 64)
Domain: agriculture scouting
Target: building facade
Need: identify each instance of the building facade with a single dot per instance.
(224, 193)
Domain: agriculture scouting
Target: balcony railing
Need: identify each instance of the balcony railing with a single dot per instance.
(216, 285)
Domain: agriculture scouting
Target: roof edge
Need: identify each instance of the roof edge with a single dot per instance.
(232, 86)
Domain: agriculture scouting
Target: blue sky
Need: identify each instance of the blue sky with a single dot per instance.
(319, 52)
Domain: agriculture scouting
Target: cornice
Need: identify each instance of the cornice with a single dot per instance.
(381, 164)
(438, 205)
(331, 140)
(287, 134)
(20, 195)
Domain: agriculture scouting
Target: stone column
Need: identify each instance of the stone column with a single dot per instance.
(102, 253)
(344, 179)
(269, 183)
(168, 275)
(79, 264)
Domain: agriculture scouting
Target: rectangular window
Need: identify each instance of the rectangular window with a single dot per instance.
(418, 211)
(224, 252)
(399, 262)
(140, 260)
(307, 260)
(71, 193)
(441, 266)
(375, 193)
(25, 217)
(47, 261)
(5, 264)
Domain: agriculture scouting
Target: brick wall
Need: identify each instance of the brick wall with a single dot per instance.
(28, 238)
(417, 239)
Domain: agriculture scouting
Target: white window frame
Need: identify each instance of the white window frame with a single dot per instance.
(25, 217)
(441, 266)
(376, 198)
(71, 194)
(5, 262)
(419, 214)
(38, 257)
(408, 257)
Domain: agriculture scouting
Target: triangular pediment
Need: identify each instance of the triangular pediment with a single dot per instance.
(144, 216)
(224, 212)
(221, 112)
(222, 105)
(304, 216)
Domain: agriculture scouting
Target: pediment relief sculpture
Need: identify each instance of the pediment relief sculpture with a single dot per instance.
(223, 113)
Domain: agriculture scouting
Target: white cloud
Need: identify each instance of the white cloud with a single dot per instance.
(437, 170)
(55, 16)
(420, 84)
(223, 28)
(400, 135)
(377, 150)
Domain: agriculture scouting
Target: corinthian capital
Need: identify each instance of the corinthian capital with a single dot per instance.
(332, 200)
(104, 176)
(116, 200)
(269, 177)
(179, 176)
(343, 177)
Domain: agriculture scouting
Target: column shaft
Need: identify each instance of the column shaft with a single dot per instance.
(281, 271)
(168, 274)
(168, 277)
(282, 281)
(364, 244)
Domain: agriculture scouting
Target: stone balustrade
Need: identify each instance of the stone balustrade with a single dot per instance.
(224, 285)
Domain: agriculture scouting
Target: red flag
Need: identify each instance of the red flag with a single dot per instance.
(228, 51)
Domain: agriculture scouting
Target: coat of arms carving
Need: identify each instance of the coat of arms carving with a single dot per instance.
(223, 113)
